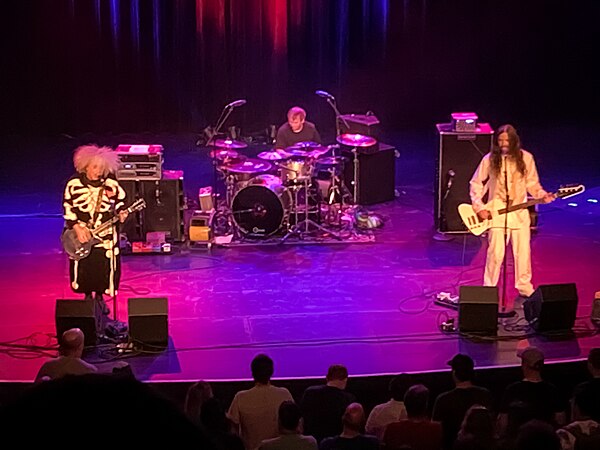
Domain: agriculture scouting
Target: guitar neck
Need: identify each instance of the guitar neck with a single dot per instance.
(526, 204)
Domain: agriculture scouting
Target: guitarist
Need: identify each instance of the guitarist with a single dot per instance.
(91, 197)
(508, 171)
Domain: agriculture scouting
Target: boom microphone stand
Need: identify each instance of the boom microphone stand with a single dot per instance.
(503, 313)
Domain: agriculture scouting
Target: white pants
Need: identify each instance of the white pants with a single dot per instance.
(520, 238)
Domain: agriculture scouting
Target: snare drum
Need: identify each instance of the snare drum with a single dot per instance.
(296, 169)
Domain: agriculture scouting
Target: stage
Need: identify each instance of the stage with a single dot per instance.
(367, 305)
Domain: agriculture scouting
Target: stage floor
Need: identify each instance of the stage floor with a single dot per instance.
(366, 305)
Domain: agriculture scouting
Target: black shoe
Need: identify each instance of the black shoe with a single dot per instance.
(102, 304)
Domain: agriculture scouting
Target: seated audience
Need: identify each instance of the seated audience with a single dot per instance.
(351, 437)
(217, 427)
(417, 432)
(476, 431)
(195, 397)
(583, 433)
(593, 386)
(537, 435)
(290, 431)
(391, 411)
(69, 361)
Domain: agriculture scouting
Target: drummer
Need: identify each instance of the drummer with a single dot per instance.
(296, 129)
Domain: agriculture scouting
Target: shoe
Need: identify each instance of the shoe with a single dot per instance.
(102, 304)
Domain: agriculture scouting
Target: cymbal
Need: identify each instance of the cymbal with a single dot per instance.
(307, 149)
(356, 140)
(273, 155)
(230, 143)
(224, 154)
(332, 160)
(250, 165)
(305, 146)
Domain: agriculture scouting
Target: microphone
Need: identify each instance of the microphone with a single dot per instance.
(236, 103)
(325, 95)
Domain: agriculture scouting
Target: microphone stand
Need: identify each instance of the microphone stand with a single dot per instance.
(503, 313)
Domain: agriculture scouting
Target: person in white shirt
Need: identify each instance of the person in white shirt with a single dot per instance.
(508, 169)
(391, 411)
(255, 411)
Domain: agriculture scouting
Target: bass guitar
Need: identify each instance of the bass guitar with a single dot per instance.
(79, 250)
(497, 209)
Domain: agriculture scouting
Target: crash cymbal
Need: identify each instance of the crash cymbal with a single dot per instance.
(230, 143)
(356, 140)
(306, 149)
(250, 165)
(224, 154)
(273, 155)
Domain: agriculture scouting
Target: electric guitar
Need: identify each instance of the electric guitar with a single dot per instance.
(79, 250)
(497, 209)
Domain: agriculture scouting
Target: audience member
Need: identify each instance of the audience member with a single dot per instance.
(592, 386)
(543, 397)
(351, 437)
(69, 361)
(476, 431)
(254, 411)
(323, 406)
(519, 413)
(391, 411)
(290, 431)
(583, 433)
(196, 396)
(537, 435)
(217, 427)
(450, 407)
(417, 432)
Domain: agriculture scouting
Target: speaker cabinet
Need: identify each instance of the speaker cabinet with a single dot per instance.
(165, 204)
(148, 321)
(376, 174)
(478, 310)
(80, 314)
(459, 156)
(552, 307)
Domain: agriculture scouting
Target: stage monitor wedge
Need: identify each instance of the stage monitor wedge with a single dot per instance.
(552, 308)
(82, 314)
(148, 321)
(478, 310)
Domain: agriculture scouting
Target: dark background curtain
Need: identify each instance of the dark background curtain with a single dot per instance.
(150, 65)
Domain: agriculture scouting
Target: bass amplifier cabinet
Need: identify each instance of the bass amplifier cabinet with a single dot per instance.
(459, 155)
(165, 204)
(376, 174)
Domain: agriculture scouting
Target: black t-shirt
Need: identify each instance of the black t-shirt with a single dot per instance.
(543, 398)
(286, 137)
(592, 389)
(360, 442)
(322, 408)
(450, 408)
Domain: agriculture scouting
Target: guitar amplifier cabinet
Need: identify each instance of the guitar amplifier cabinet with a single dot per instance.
(165, 204)
(459, 155)
(376, 175)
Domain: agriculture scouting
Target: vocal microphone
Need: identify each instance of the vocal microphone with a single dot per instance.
(451, 174)
(236, 103)
(325, 95)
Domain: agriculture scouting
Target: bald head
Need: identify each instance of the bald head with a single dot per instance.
(354, 417)
(72, 342)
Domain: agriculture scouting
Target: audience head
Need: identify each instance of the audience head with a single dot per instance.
(532, 359)
(537, 435)
(594, 362)
(197, 394)
(71, 343)
(337, 375)
(354, 417)
(289, 416)
(478, 423)
(519, 413)
(398, 386)
(584, 404)
(416, 401)
(262, 368)
(462, 367)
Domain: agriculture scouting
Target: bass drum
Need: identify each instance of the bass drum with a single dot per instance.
(262, 207)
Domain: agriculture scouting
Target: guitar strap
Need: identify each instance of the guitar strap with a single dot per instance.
(98, 205)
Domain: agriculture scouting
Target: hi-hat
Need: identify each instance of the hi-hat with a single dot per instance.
(332, 160)
(249, 166)
(230, 143)
(356, 140)
(307, 148)
(273, 155)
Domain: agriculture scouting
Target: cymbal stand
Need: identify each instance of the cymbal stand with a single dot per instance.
(355, 181)
(307, 222)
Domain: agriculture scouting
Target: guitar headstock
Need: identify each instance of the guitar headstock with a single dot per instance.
(570, 190)
(138, 205)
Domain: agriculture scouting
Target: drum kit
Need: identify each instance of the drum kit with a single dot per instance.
(287, 191)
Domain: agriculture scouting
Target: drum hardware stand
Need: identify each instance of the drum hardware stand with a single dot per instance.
(331, 100)
(307, 222)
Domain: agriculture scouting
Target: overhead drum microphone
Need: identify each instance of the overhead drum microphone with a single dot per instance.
(236, 103)
(324, 94)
